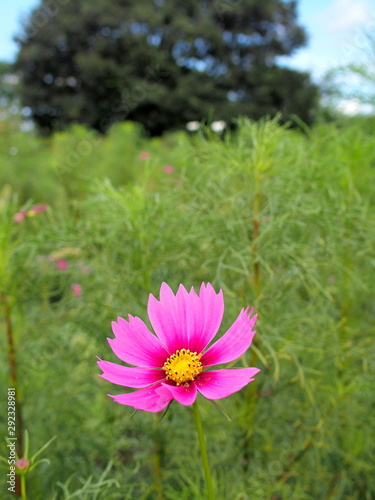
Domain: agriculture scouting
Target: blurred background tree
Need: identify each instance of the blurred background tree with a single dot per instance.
(8, 83)
(10, 110)
(161, 63)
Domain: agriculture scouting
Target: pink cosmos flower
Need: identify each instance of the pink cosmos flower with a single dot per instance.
(62, 265)
(168, 169)
(23, 214)
(175, 363)
(36, 209)
(145, 155)
(77, 290)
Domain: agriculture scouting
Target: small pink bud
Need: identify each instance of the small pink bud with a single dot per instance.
(22, 463)
(83, 268)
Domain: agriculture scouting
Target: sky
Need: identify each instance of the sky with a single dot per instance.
(336, 31)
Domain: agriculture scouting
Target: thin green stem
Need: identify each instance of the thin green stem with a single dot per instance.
(157, 459)
(256, 231)
(11, 348)
(23, 487)
(202, 446)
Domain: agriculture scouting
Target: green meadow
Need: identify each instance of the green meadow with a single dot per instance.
(281, 219)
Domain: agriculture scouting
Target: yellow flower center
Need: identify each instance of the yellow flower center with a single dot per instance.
(183, 366)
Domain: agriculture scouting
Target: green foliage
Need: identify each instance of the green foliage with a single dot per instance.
(280, 220)
(160, 63)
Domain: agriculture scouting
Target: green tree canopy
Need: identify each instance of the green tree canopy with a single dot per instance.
(161, 62)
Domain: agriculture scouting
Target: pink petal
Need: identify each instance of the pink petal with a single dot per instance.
(184, 395)
(154, 398)
(129, 377)
(234, 342)
(39, 208)
(136, 345)
(186, 320)
(19, 216)
(219, 384)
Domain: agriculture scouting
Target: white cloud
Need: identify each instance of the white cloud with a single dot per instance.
(346, 15)
(352, 107)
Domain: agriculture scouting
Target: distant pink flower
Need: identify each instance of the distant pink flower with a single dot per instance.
(23, 214)
(145, 155)
(83, 268)
(62, 265)
(77, 290)
(175, 364)
(39, 208)
(331, 279)
(22, 463)
(19, 216)
(168, 169)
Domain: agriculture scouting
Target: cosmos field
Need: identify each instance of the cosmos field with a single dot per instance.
(280, 219)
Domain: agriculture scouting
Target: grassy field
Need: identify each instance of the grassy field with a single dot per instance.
(280, 219)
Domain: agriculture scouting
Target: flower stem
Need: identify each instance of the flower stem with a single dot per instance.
(202, 445)
(11, 348)
(23, 487)
(157, 459)
(13, 370)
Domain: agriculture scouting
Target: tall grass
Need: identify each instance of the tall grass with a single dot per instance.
(280, 219)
